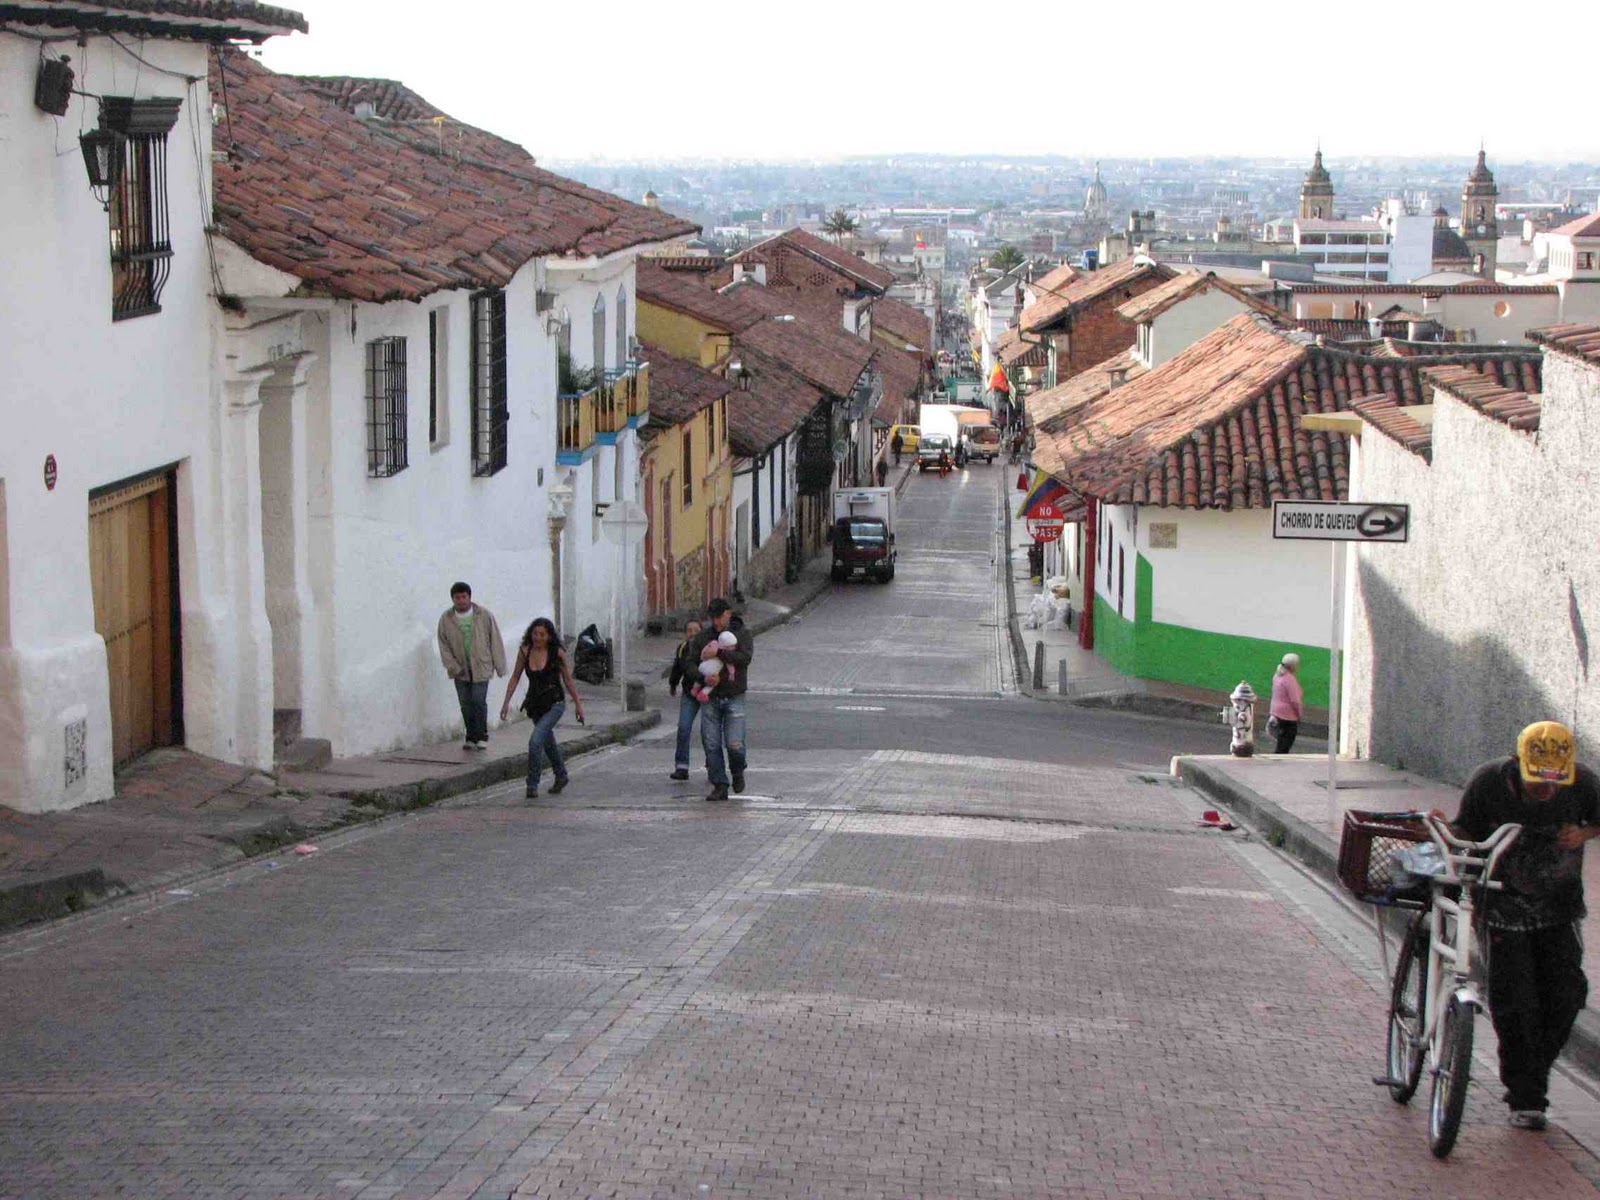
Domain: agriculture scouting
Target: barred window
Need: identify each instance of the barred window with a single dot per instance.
(490, 406)
(141, 242)
(688, 463)
(438, 377)
(386, 407)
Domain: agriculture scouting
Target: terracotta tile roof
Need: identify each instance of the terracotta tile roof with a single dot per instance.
(1580, 341)
(1588, 226)
(1421, 289)
(1055, 279)
(902, 321)
(690, 295)
(372, 210)
(679, 389)
(193, 20)
(1014, 352)
(688, 263)
(1507, 405)
(1147, 306)
(1219, 425)
(822, 353)
(1054, 409)
(390, 99)
(777, 401)
(1394, 422)
(1049, 309)
(901, 372)
(869, 275)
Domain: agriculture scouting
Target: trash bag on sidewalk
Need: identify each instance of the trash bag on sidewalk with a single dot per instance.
(591, 656)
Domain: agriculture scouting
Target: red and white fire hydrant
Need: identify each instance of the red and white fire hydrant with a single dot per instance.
(1240, 716)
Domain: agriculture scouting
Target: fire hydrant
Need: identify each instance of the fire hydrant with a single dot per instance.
(1240, 716)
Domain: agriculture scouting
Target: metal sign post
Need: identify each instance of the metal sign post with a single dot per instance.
(1338, 522)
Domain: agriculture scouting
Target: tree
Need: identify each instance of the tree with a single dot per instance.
(1005, 258)
(840, 224)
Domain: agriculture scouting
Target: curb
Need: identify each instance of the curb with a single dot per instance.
(1319, 852)
(63, 895)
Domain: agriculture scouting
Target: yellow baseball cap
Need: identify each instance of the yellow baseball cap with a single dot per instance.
(1547, 753)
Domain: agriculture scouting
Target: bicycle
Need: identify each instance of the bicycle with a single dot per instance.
(1434, 994)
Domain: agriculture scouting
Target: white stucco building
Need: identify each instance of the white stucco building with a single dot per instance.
(124, 588)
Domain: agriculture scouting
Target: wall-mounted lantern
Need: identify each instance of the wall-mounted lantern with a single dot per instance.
(102, 158)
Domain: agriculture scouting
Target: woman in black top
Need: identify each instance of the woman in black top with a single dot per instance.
(545, 662)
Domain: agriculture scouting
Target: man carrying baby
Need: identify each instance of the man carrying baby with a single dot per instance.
(722, 717)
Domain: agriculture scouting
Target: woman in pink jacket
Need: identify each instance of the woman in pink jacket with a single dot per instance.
(1286, 701)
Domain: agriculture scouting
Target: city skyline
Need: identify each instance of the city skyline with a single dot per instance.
(763, 87)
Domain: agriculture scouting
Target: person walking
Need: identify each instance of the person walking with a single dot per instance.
(472, 652)
(883, 472)
(722, 715)
(544, 661)
(1287, 702)
(684, 674)
(897, 444)
(1537, 986)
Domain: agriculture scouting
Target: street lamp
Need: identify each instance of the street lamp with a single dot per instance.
(102, 158)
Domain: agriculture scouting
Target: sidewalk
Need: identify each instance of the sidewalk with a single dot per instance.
(1284, 798)
(177, 815)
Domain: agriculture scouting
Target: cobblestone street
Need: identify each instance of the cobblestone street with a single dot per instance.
(951, 942)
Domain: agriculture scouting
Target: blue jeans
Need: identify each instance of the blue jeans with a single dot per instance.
(474, 698)
(542, 745)
(688, 710)
(722, 723)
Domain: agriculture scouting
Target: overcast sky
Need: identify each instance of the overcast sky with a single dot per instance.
(624, 79)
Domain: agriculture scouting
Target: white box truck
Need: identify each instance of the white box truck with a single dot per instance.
(863, 534)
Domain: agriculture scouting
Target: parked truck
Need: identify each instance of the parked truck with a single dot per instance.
(863, 534)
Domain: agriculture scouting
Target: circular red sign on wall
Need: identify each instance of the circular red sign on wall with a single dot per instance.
(1045, 522)
(49, 472)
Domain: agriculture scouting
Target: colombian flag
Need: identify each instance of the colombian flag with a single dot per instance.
(1044, 489)
(998, 381)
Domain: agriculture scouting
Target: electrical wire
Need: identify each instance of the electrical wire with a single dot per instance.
(134, 54)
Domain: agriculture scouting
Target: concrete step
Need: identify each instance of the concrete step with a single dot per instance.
(304, 754)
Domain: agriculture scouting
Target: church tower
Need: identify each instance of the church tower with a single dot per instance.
(1095, 208)
(1479, 228)
(1316, 193)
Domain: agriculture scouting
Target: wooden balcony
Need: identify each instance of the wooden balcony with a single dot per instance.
(575, 427)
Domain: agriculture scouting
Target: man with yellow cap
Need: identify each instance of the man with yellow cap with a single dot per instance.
(1535, 951)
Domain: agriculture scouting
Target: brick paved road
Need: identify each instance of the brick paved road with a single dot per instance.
(947, 946)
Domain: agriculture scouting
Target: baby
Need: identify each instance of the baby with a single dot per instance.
(713, 670)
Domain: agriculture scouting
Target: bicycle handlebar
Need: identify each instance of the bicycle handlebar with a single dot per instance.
(1458, 851)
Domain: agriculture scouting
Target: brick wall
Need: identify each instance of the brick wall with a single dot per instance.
(1097, 333)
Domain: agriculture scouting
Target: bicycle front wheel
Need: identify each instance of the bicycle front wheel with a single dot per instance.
(1454, 1074)
(1407, 999)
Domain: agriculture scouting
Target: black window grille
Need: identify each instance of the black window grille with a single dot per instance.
(386, 407)
(490, 407)
(688, 464)
(433, 377)
(141, 240)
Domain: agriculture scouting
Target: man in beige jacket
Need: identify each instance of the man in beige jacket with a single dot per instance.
(472, 652)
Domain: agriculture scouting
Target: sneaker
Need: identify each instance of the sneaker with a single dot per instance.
(738, 783)
(558, 785)
(679, 775)
(483, 743)
(1528, 1118)
(719, 791)
(469, 745)
(532, 793)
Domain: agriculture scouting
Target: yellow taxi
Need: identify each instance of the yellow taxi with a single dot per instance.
(910, 435)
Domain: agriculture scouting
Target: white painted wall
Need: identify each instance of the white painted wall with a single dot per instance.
(1185, 323)
(1229, 575)
(110, 400)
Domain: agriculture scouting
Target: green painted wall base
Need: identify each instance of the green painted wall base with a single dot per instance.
(1147, 649)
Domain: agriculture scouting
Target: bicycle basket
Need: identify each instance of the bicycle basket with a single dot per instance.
(1368, 857)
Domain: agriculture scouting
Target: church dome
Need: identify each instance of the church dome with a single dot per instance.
(1481, 172)
(1318, 173)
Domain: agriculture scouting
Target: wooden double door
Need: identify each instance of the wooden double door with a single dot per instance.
(133, 573)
